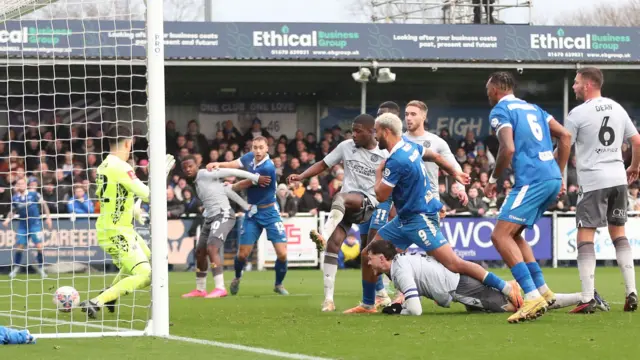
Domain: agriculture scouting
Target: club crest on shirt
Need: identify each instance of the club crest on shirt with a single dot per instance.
(426, 144)
(387, 172)
(375, 158)
(494, 122)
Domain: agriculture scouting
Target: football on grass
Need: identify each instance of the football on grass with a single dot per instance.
(66, 298)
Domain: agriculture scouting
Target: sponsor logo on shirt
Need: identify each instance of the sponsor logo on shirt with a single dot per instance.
(358, 168)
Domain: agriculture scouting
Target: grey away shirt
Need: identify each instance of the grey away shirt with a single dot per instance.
(598, 128)
(215, 195)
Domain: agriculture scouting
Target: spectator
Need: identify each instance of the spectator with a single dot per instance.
(175, 207)
(218, 139)
(142, 170)
(54, 198)
(461, 156)
(300, 147)
(312, 144)
(453, 144)
(214, 156)
(230, 132)
(80, 202)
(293, 168)
(477, 12)
(179, 188)
(315, 199)
(191, 204)
(336, 135)
(171, 137)
(469, 142)
(304, 160)
(336, 184)
(67, 167)
(348, 257)
(451, 200)
(199, 140)
(572, 194)
(325, 149)
(476, 206)
(256, 130)
(293, 144)
(277, 162)
(287, 202)
(492, 143)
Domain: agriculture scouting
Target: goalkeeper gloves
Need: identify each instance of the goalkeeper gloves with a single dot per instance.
(393, 309)
(170, 162)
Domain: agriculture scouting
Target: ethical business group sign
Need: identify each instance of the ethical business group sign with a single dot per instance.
(305, 41)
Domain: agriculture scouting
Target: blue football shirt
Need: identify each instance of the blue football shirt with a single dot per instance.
(533, 160)
(257, 195)
(405, 172)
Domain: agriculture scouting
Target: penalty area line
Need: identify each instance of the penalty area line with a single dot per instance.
(252, 349)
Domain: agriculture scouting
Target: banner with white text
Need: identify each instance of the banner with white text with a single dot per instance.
(567, 243)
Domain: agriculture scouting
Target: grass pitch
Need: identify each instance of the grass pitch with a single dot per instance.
(259, 318)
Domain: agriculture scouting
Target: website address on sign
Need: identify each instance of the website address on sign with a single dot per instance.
(315, 53)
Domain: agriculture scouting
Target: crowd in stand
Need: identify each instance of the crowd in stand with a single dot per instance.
(59, 160)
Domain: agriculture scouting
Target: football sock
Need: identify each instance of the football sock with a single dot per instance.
(564, 300)
(335, 217)
(218, 280)
(493, 281)
(201, 280)
(238, 266)
(624, 257)
(281, 271)
(140, 279)
(17, 257)
(522, 275)
(538, 278)
(368, 293)
(329, 269)
(587, 269)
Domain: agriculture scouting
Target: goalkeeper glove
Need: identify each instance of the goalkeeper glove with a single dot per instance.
(393, 309)
(170, 162)
(137, 212)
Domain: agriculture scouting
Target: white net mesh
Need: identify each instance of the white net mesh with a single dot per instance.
(69, 70)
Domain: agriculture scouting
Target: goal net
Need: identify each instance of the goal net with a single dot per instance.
(69, 70)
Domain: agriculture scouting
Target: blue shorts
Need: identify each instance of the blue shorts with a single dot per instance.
(24, 233)
(265, 219)
(378, 219)
(420, 229)
(526, 204)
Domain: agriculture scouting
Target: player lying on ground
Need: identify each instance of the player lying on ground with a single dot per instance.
(404, 177)
(117, 185)
(264, 213)
(25, 205)
(598, 127)
(219, 220)
(421, 275)
(356, 201)
(524, 131)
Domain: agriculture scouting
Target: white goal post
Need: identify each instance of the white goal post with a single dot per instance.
(69, 70)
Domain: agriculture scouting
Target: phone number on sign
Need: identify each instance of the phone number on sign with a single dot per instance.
(565, 54)
(290, 52)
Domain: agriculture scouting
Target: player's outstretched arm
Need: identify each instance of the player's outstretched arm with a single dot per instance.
(235, 164)
(312, 171)
(445, 165)
(233, 196)
(634, 168)
(127, 178)
(222, 173)
(564, 143)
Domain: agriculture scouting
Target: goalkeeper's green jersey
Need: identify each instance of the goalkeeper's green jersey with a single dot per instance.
(117, 184)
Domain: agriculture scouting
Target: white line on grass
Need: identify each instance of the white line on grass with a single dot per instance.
(256, 350)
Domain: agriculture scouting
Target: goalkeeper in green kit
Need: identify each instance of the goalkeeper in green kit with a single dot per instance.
(117, 185)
